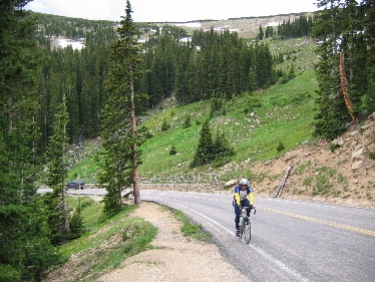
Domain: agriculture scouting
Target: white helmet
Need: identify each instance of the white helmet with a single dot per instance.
(244, 181)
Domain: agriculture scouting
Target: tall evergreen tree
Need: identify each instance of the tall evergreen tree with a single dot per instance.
(204, 151)
(252, 81)
(118, 118)
(57, 174)
(331, 117)
(261, 33)
(24, 243)
(369, 27)
(344, 33)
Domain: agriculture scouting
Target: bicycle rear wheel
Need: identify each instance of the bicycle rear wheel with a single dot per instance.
(247, 232)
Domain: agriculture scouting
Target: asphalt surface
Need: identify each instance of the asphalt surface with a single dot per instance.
(291, 240)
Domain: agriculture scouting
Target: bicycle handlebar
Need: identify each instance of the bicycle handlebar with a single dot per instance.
(246, 208)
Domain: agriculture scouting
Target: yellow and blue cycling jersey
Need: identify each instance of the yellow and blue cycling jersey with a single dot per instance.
(240, 195)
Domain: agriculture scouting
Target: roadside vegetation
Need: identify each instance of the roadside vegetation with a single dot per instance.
(106, 243)
(190, 229)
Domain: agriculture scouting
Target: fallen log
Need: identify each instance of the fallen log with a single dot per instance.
(283, 181)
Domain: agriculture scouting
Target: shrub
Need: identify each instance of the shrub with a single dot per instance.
(280, 147)
(332, 147)
(9, 274)
(187, 122)
(208, 151)
(165, 126)
(173, 151)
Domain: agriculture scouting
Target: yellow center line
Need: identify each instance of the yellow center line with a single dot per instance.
(338, 225)
(329, 223)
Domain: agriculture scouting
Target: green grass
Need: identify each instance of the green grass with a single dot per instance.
(190, 229)
(105, 245)
(284, 116)
(86, 166)
(87, 170)
(98, 249)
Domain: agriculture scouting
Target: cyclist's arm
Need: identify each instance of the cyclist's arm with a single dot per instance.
(237, 196)
(250, 196)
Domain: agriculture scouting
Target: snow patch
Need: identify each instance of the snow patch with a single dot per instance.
(194, 24)
(76, 45)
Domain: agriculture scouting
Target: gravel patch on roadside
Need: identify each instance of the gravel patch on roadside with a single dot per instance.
(176, 258)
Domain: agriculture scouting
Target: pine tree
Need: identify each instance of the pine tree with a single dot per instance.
(330, 119)
(252, 81)
(118, 118)
(346, 44)
(208, 151)
(204, 151)
(222, 149)
(25, 247)
(261, 33)
(369, 27)
(57, 175)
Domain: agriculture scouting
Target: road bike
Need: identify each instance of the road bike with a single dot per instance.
(245, 224)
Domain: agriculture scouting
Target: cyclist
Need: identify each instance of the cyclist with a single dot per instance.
(243, 197)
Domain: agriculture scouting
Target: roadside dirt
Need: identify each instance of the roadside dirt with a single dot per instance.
(341, 171)
(176, 258)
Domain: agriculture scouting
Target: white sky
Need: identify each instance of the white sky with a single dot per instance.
(170, 10)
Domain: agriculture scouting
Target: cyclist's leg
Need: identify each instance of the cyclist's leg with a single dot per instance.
(237, 217)
(246, 203)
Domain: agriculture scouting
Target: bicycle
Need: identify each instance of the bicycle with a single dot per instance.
(245, 224)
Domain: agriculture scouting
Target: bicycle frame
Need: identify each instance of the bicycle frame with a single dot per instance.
(245, 224)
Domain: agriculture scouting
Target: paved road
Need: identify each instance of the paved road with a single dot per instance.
(291, 240)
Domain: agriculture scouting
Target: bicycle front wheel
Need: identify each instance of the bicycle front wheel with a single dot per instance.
(242, 230)
(247, 233)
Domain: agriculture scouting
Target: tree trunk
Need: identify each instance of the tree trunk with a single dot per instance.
(137, 198)
(66, 220)
(344, 87)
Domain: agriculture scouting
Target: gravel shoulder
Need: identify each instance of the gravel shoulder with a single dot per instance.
(175, 257)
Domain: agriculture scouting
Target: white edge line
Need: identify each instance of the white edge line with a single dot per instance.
(281, 265)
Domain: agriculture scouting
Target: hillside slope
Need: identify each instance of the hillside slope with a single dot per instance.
(340, 172)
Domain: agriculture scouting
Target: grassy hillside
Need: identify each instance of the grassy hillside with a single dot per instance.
(282, 115)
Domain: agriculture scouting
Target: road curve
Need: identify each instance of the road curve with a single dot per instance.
(291, 240)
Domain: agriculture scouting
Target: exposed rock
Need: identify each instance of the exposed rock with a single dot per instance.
(307, 154)
(338, 142)
(356, 165)
(357, 155)
(353, 133)
(230, 183)
(364, 127)
(267, 162)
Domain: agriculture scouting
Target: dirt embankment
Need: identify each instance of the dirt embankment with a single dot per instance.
(340, 172)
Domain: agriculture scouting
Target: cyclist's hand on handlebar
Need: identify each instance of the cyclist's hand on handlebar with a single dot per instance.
(251, 207)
